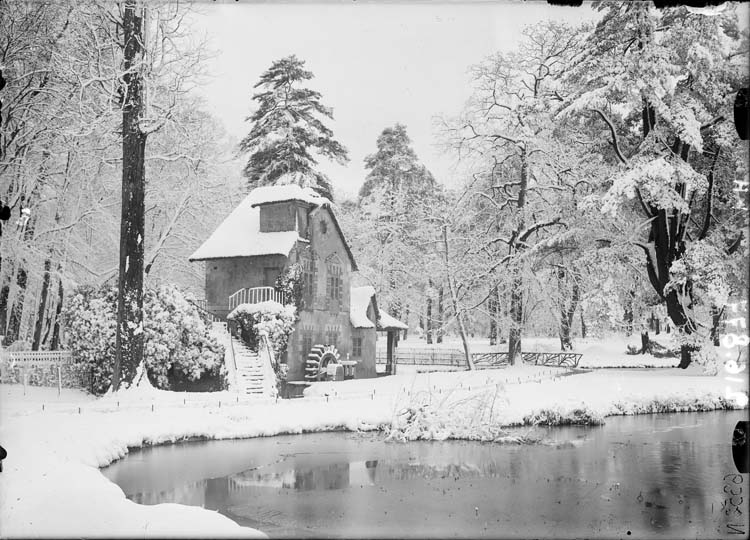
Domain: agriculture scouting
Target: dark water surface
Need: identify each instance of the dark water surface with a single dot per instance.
(666, 475)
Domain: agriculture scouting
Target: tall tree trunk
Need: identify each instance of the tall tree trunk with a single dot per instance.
(16, 310)
(454, 300)
(666, 245)
(56, 330)
(516, 318)
(42, 310)
(428, 316)
(567, 309)
(503, 321)
(4, 292)
(516, 293)
(629, 315)
(406, 321)
(493, 308)
(583, 324)
(645, 342)
(716, 314)
(394, 307)
(441, 315)
(129, 338)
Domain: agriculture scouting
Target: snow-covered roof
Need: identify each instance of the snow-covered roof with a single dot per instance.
(359, 301)
(290, 192)
(386, 322)
(239, 235)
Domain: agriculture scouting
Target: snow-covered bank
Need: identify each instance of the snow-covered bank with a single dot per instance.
(50, 486)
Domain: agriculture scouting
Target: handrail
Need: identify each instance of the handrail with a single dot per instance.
(211, 316)
(270, 366)
(254, 295)
(234, 356)
(267, 345)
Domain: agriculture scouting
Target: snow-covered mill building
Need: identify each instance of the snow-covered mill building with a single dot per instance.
(272, 228)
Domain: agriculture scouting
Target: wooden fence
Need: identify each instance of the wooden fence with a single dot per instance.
(423, 357)
(487, 360)
(28, 358)
(44, 368)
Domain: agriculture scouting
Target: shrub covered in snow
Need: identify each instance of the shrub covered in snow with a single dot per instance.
(91, 322)
(178, 347)
(178, 350)
(270, 318)
(455, 415)
(556, 417)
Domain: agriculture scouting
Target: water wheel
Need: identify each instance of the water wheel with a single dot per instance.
(317, 361)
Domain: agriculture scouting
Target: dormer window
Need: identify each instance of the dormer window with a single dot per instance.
(323, 226)
(284, 216)
(275, 217)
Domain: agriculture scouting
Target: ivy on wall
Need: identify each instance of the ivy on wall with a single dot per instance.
(290, 283)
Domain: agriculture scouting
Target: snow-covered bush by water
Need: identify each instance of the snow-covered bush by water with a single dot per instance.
(454, 415)
(179, 352)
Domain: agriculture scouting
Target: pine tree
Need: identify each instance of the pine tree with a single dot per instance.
(395, 189)
(395, 166)
(285, 129)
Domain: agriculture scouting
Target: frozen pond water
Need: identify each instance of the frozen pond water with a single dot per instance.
(649, 475)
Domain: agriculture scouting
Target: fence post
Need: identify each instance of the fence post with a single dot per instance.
(59, 380)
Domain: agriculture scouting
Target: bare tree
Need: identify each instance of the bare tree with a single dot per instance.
(508, 127)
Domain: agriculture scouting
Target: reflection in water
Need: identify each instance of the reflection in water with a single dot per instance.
(644, 474)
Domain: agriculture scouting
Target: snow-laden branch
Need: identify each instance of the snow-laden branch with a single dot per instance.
(522, 237)
(615, 142)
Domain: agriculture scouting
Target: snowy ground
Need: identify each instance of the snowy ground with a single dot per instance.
(51, 485)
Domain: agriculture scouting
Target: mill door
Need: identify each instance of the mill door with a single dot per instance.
(270, 275)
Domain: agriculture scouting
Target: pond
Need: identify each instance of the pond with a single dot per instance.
(650, 475)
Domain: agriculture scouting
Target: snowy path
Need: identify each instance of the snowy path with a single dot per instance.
(51, 485)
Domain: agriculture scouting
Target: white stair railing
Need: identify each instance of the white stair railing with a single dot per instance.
(254, 295)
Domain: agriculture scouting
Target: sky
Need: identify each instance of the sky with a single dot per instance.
(374, 64)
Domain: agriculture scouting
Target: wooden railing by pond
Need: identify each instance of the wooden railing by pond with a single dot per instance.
(485, 360)
(427, 356)
(37, 357)
(500, 359)
(255, 295)
(561, 359)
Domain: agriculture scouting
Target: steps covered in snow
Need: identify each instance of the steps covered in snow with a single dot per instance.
(252, 376)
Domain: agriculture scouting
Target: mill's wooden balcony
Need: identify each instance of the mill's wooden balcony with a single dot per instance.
(255, 295)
